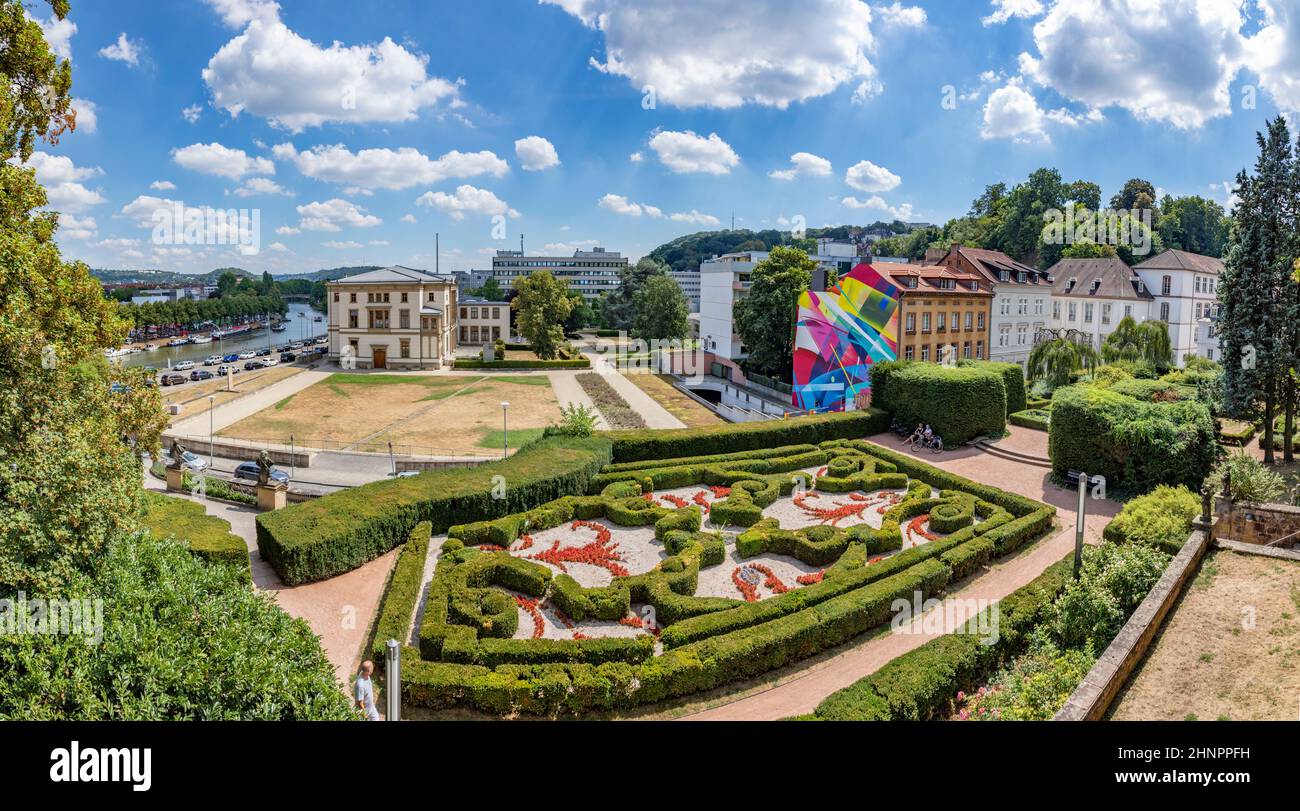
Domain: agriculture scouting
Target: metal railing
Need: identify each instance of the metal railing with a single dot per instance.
(308, 444)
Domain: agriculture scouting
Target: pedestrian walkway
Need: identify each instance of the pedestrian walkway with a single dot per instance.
(654, 415)
(569, 393)
(228, 414)
(801, 691)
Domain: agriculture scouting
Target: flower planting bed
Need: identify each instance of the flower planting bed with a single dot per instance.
(672, 576)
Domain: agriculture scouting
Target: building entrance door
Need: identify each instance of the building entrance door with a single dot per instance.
(381, 357)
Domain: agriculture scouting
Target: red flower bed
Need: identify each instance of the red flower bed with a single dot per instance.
(720, 491)
(915, 528)
(749, 590)
(530, 605)
(701, 498)
(829, 515)
(601, 552)
(490, 547)
(811, 578)
(676, 501)
(821, 473)
(525, 542)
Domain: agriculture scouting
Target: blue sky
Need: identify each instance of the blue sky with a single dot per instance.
(251, 104)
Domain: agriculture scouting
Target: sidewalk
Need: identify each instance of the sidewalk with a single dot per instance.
(655, 415)
(230, 413)
(568, 392)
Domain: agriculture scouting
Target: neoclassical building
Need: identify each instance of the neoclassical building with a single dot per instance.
(393, 318)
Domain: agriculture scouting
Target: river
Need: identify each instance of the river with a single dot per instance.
(300, 325)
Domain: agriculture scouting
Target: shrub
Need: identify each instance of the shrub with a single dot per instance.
(570, 363)
(1037, 419)
(208, 537)
(1248, 479)
(336, 533)
(960, 403)
(1236, 432)
(637, 446)
(1114, 579)
(1161, 518)
(1013, 377)
(393, 620)
(1136, 445)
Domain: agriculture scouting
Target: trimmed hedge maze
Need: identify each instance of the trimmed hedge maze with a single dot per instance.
(472, 652)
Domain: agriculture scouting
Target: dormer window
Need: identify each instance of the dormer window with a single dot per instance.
(1096, 284)
(1020, 277)
(1004, 275)
(1070, 284)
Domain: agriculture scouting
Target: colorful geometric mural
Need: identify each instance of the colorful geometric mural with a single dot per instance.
(840, 333)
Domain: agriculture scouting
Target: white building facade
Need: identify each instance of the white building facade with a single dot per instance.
(689, 282)
(1091, 297)
(392, 318)
(1184, 287)
(1021, 296)
(724, 281)
(588, 273)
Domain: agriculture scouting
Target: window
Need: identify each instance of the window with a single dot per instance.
(1022, 306)
(1006, 306)
(925, 322)
(1165, 284)
(1087, 313)
(404, 318)
(981, 320)
(970, 319)
(911, 322)
(1038, 306)
(1105, 313)
(336, 297)
(403, 301)
(1004, 336)
(473, 313)
(925, 352)
(353, 299)
(1164, 311)
(464, 335)
(473, 334)
(496, 333)
(1128, 310)
(352, 320)
(1022, 335)
(379, 319)
(1074, 311)
(496, 313)
(940, 324)
(404, 349)
(909, 352)
(965, 349)
(431, 296)
(1056, 311)
(464, 312)
(979, 350)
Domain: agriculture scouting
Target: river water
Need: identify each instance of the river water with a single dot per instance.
(300, 325)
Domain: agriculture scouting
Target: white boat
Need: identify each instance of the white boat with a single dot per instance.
(201, 339)
(150, 347)
(178, 342)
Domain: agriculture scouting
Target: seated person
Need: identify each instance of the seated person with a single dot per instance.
(915, 437)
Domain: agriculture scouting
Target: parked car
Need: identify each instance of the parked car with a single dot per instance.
(287, 357)
(200, 374)
(253, 364)
(173, 380)
(189, 460)
(234, 370)
(231, 358)
(212, 360)
(249, 471)
(261, 353)
(183, 366)
(246, 354)
(268, 362)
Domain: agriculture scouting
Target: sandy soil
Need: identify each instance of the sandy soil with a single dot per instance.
(1229, 649)
(419, 414)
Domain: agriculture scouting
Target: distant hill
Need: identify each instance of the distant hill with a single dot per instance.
(686, 252)
(151, 277)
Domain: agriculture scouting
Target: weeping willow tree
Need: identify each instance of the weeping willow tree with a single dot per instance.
(1054, 362)
(1132, 341)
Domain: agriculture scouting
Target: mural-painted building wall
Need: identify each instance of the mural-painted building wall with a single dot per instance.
(839, 335)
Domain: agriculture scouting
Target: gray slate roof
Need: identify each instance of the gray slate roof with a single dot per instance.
(1115, 279)
(1182, 260)
(396, 275)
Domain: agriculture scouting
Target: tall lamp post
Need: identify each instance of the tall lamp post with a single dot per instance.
(505, 430)
(212, 456)
(1083, 480)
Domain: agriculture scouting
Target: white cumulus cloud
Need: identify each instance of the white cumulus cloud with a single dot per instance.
(867, 176)
(388, 168)
(686, 152)
(466, 200)
(124, 50)
(535, 153)
(63, 181)
(222, 161)
(333, 215)
(803, 164)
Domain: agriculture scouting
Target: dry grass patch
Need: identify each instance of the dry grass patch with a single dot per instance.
(1229, 649)
(661, 389)
(193, 397)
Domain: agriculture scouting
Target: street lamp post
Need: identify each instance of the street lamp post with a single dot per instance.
(1083, 480)
(505, 430)
(212, 456)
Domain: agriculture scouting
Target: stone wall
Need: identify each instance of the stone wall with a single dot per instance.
(1257, 524)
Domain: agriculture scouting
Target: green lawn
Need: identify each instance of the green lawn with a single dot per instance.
(209, 537)
(518, 437)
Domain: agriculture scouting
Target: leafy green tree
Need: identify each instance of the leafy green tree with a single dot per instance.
(1192, 224)
(1087, 250)
(618, 308)
(69, 481)
(491, 290)
(1137, 194)
(765, 317)
(1054, 362)
(661, 309)
(582, 316)
(1021, 218)
(1131, 341)
(226, 284)
(541, 306)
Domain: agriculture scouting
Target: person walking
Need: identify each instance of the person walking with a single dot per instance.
(364, 691)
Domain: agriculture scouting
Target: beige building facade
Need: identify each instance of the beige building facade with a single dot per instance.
(393, 318)
(482, 322)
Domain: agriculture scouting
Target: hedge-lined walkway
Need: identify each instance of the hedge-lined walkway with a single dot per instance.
(800, 692)
(339, 610)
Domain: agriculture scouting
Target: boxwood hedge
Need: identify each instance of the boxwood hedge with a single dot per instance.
(960, 402)
(403, 592)
(643, 444)
(336, 533)
(1135, 444)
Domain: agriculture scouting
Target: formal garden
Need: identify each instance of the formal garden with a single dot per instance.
(598, 574)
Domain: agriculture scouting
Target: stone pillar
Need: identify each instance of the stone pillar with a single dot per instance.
(175, 480)
(270, 498)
